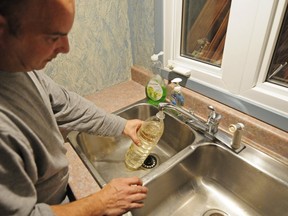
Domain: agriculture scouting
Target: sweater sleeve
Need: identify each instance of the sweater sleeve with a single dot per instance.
(74, 112)
(18, 193)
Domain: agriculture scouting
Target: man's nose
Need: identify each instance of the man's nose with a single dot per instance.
(64, 46)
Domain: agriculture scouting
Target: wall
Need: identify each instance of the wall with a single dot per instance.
(141, 18)
(107, 38)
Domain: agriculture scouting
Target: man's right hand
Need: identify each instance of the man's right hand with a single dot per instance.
(116, 198)
(122, 194)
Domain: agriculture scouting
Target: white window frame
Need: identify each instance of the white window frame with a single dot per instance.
(245, 63)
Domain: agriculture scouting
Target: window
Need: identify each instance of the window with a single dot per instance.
(239, 66)
(278, 71)
(204, 26)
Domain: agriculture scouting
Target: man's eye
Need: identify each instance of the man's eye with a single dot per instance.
(53, 39)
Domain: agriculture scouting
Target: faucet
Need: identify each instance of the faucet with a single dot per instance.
(209, 128)
(213, 121)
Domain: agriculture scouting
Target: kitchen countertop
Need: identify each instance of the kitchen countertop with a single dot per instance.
(264, 137)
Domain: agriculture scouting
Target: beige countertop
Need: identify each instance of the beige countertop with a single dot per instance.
(264, 137)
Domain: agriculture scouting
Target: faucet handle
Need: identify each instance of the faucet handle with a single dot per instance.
(211, 108)
(213, 116)
(213, 120)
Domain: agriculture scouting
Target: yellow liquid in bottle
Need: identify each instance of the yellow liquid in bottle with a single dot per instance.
(149, 135)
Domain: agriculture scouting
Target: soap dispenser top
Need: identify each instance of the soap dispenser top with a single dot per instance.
(177, 97)
(157, 64)
(177, 87)
(155, 57)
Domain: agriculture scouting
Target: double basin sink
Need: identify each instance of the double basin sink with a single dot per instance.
(191, 174)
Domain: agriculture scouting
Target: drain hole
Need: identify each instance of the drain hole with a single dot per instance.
(150, 162)
(215, 212)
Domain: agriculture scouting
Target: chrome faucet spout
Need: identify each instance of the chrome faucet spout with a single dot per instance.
(209, 128)
(182, 110)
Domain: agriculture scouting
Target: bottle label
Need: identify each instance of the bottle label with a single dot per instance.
(154, 90)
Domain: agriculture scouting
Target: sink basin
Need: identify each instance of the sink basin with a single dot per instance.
(212, 180)
(104, 156)
(193, 175)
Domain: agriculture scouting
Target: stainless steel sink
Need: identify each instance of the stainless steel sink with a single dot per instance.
(212, 180)
(104, 156)
(193, 175)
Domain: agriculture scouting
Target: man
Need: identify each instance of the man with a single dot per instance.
(33, 166)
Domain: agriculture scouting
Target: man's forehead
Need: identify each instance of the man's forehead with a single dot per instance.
(47, 14)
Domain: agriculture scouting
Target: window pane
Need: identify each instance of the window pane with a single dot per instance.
(204, 26)
(278, 71)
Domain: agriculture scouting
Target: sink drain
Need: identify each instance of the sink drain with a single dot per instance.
(150, 162)
(215, 212)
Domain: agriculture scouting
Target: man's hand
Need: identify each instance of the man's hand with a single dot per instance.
(122, 194)
(131, 128)
(116, 198)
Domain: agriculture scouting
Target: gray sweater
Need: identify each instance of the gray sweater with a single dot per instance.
(33, 165)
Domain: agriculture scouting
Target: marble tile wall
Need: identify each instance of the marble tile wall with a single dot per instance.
(141, 18)
(107, 38)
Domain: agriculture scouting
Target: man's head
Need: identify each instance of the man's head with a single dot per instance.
(10, 9)
(33, 32)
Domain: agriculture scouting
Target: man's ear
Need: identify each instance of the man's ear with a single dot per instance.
(3, 24)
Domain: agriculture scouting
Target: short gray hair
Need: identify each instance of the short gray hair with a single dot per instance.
(10, 9)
